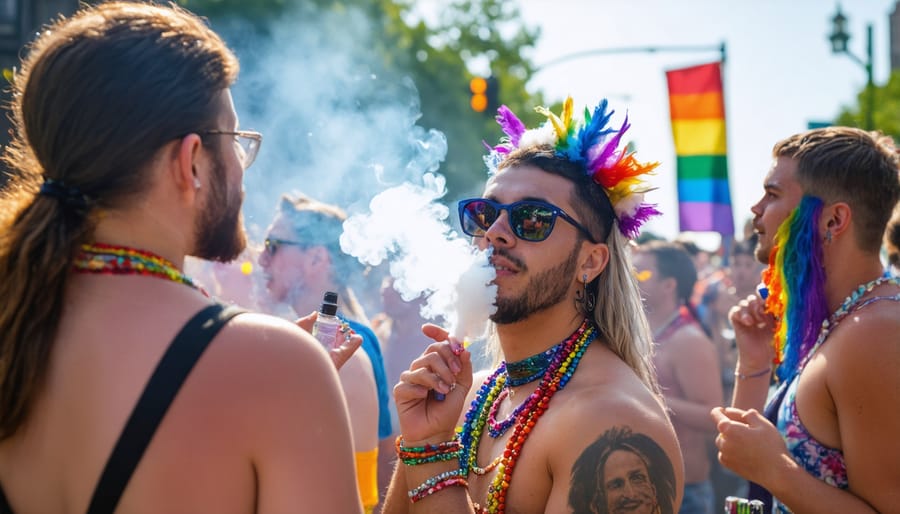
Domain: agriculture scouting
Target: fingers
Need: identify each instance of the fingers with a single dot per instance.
(341, 354)
(718, 414)
(443, 367)
(437, 368)
(751, 312)
(307, 322)
(435, 332)
(405, 391)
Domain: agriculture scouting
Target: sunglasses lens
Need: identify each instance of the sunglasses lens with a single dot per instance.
(532, 221)
(477, 216)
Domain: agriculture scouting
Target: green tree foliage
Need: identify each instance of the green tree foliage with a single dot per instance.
(436, 56)
(886, 116)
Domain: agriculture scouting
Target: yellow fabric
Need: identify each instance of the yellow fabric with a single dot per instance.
(367, 478)
(699, 137)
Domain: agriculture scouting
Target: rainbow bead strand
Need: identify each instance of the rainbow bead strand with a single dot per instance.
(557, 375)
(106, 259)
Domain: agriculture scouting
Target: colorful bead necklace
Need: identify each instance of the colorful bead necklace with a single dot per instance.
(517, 374)
(557, 375)
(529, 369)
(105, 259)
(851, 304)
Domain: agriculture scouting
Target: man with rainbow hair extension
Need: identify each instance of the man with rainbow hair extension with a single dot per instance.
(827, 318)
(572, 419)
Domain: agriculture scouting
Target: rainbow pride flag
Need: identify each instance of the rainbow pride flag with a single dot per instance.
(697, 109)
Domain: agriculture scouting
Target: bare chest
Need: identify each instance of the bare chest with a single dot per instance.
(524, 466)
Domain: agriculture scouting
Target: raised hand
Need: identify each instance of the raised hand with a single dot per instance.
(446, 368)
(346, 341)
(754, 329)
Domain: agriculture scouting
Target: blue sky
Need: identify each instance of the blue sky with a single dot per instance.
(779, 74)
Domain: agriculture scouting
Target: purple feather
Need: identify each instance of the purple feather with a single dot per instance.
(630, 226)
(511, 125)
(608, 150)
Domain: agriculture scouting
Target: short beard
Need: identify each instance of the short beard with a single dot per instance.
(760, 254)
(543, 291)
(219, 230)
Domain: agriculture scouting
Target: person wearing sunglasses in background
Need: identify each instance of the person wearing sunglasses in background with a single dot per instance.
(686, 362)
(123, 387)
(536, 433)
(302, 259)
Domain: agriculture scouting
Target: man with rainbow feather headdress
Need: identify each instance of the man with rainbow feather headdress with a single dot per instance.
(572, 418)
(828, 319)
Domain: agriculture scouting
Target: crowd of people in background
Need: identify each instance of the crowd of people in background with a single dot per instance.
(674, 371)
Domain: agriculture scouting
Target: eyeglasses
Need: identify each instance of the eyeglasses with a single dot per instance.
(247, 140)
(530, 220)
(272, 244)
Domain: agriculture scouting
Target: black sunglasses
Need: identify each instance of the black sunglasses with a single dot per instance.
(273, 243)
(530, 220)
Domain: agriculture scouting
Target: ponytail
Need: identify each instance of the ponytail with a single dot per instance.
(39, 237)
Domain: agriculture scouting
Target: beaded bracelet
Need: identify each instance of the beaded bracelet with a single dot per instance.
(443, 484)
(431, 482)
(761, 373)
(415, 455)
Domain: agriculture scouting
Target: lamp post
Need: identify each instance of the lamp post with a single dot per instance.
(839, 38)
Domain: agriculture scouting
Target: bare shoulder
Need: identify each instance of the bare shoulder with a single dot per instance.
(268, 337)
(690, 339)
(262, 356)
(618, 437)
(866, 344)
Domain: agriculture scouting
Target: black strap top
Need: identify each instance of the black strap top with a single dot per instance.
(171, 372)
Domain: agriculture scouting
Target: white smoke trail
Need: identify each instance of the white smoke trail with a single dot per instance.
(342, 128)
(408, 227)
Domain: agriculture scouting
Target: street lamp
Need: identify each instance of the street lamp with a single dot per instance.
(839, 38)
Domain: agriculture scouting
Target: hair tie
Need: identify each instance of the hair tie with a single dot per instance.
(70, 196)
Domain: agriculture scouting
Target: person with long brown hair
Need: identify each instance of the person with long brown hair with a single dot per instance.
(574, 345)
(122, 386)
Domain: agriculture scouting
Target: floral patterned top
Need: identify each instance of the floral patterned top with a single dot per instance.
(825, 463)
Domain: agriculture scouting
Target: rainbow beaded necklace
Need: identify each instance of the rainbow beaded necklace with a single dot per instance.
(556, 376)
(105, 259)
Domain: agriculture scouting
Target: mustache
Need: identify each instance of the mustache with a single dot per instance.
(510, 257)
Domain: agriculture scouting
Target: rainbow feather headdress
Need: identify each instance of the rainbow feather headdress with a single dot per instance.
(595, 145)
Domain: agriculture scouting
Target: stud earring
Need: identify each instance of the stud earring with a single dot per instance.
(196, 183)
(828, 236)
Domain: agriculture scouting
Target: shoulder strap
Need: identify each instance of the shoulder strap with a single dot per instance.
(171, 372)
(4, 503)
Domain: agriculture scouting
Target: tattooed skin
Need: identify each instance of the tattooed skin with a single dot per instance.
(623, 472)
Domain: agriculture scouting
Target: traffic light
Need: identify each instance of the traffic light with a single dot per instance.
(478, 87)
(484, 94)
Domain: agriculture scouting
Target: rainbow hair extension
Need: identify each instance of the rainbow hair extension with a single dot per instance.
(593, 144)
(796, 282)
